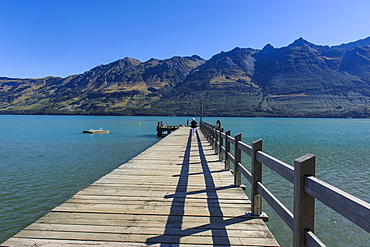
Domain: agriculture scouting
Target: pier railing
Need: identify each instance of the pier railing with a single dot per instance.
(307, 187)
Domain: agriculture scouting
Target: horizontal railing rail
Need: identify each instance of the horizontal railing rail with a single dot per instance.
(353, 208)
(307, 187)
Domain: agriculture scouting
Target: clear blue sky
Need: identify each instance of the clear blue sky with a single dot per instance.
(40, 38)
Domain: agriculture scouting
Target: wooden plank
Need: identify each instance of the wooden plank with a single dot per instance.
(245, 148)
(206, 239)
(279, 207)
(175, 192)
(253, 233)
(166, 202)
(352, 208)
(280, 167)
(156, 221)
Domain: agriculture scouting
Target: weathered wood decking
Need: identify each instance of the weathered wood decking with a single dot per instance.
(175, 193)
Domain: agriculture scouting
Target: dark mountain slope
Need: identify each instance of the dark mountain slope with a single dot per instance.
(107, 89)
(227, 70)
(222, 83)
(309, 79)
(99, 77)
(356, 61)
(299, 80)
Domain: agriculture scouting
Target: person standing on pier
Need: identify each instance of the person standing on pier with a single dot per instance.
(218, 123)
(193, 126)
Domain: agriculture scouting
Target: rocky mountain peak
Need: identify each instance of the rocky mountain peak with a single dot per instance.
(234, 54)
(127, 62)
(268, 48)
(118, 66)
(301, 42)
(196, 57)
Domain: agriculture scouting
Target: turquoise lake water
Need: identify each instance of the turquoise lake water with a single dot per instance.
(47, 159)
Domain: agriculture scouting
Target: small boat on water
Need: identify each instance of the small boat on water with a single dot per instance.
(99, 131)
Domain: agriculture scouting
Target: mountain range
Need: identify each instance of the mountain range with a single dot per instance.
(300, 80)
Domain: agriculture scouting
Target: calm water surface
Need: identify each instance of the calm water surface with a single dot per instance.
(47, 159)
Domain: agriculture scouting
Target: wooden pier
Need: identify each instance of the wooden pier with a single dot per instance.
(176, 193)
(162, 128)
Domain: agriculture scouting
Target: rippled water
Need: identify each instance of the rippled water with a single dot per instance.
(47, 159)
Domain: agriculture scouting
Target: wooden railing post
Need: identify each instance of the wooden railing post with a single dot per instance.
(208, 133)
(216, 140)
(221, 144)
(304, 204)
(227, 151)
(256, 198)
(212, 137)
(206, 129)
(238, 158)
